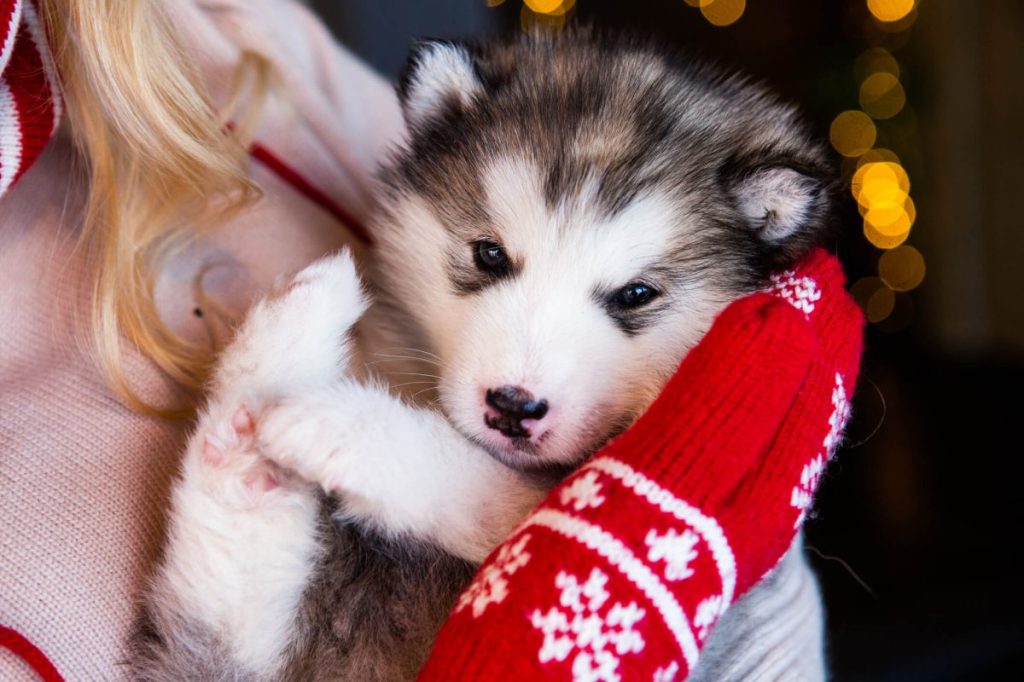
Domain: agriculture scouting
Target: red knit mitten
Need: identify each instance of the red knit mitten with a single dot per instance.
(624, 569)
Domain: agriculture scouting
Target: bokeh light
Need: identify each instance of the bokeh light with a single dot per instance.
(881, 95)
(890, 10)
(553, 19)
(883, 241)
(723, 12)
(875, 60)
(874, 297)
(852, 133)
(902, 268)
(550, 7)
(892, 220)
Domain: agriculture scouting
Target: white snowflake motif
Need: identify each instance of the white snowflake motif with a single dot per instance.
(578, 627)
(800, 292)
(840, 413)
(584, 492)
(666, 673)
(491, 585)
(708, 613)
(676, 550)
(803, 493)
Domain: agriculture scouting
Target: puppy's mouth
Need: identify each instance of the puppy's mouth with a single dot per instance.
(518, 452)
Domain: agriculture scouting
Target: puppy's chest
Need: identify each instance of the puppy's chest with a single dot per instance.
(375, 603)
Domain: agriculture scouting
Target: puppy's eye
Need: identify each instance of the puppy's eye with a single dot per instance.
(490, 257)
(634, 295)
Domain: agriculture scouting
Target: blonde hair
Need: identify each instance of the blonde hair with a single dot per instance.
(161, 165)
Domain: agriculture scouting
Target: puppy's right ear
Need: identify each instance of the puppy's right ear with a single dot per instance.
(439, 77)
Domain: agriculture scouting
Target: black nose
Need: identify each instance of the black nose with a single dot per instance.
(514, 404)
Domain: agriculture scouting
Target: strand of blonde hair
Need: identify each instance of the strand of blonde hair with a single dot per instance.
(160, 166)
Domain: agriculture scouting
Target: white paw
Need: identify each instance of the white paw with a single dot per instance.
(304, 441)
(296, 337)
(227, 464)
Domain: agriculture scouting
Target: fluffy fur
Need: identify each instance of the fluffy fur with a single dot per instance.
(346, 477)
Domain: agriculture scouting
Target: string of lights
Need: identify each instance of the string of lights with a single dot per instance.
(878, 180)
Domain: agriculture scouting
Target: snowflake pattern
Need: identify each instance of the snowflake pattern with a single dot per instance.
(677, 550)
(596, 637)
(708, 613)
(491, 585)
(584, 492)
(666, 673)
(840, 413)
(803, 492)
(800, 292)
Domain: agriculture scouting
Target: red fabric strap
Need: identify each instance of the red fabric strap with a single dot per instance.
(30, 653)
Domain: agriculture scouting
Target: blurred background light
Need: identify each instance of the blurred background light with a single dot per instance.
(881, 95)
(852, 133)
(874, 297)
(722, 12)
(550, 7)
(883, 241)
(875, 60)
(890, 10)
(902, 268)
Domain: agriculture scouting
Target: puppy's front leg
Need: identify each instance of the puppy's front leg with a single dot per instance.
(400, 468)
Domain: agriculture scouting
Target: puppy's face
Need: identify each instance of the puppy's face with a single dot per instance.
(560, 275)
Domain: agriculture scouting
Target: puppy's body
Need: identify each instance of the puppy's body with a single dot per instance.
(565, 221)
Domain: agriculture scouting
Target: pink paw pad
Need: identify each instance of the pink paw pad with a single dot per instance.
(241, 421)
(261, 481)
(213, 452)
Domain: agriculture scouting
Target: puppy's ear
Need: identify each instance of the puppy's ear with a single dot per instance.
(778, 202)
(439, 77)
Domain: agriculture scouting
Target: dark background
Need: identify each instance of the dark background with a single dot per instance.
(922, 505)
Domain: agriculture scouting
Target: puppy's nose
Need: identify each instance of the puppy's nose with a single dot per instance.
(513, 404)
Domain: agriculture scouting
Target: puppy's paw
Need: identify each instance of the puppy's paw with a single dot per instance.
(304, 441)
(296, 337)
(224, 460)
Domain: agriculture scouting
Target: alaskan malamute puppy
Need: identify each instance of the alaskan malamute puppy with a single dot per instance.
(565, 220)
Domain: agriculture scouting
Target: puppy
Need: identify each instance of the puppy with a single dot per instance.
(565, 220)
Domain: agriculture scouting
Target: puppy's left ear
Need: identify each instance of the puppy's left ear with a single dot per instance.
(439, 77)
(781, 202)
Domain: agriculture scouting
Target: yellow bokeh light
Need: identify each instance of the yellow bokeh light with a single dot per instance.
(892, 220)
(723, 12)
(883, 241)
(852, 133)
(880, 182)
(881, 95)
(874, 297)
(876, 155)
(875, 60)
(550, 7)
(880, 305)
(698, 3)
(902, 268)
(531, 21)
(890, 10)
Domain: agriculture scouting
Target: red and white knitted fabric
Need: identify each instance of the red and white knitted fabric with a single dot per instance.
(30, 104)
(622, 573)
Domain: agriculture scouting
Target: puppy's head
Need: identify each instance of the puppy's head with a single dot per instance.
(568, 217)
